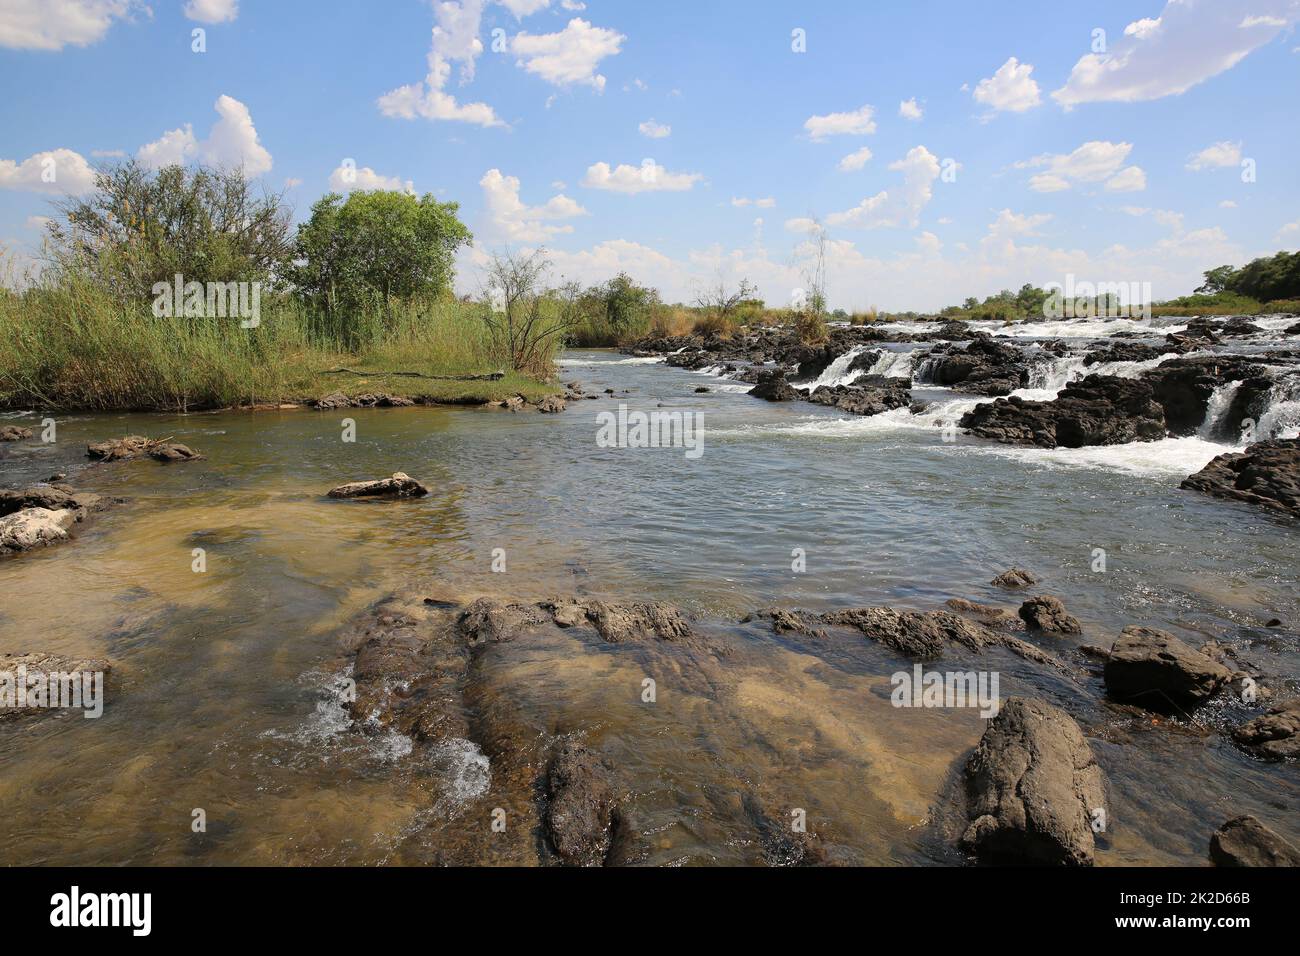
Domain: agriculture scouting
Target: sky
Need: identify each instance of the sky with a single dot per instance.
(944, 149)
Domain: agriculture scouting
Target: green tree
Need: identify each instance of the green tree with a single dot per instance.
(1217, 280)
(376, 247)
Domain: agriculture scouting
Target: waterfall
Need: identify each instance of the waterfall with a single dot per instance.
(894, 364)
(837, 373)
(1281, 418)
(1216, 412)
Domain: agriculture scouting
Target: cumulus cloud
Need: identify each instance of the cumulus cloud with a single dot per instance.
(570, 56)
(899, 205)
(513, 220)
(212, 11)
(347, 178)
(54, 24)
(525, 8)
(859, 122)
(1217, 156)
(55, 171)
(1011, 89)
(855, 160)
(909, 110)
(232, 142)
(655, 130)
(648, 177)
(455, 40)
(1093, 162)
(1190, 42)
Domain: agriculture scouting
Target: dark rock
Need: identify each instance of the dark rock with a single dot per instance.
(984, 367)
(1123, 352)
(1245, 841)
(51, 497)
(702, 390)
(1046, 613)
(869, 395)
(1155, 670)
(1015, 578)
(1265, 474)
(137, 446)
(773, 387)
(1275, 735)
(1183, 387)
(400, 485)
(581, 809)
(1034, 788)
(1099, 410)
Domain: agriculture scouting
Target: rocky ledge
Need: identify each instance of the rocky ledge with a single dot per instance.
(1266, 474)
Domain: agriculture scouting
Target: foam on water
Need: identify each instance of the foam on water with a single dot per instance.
(1167, 458)
(837, 373)
(637, 360)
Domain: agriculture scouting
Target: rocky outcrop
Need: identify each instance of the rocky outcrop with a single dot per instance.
(1157, 671)
(137, 446)
(496, 622)
(54, 497)
(984, 367)
(1123, 352)
(1034, 789)
(868, 395)
(1098, 410)
(1265, 474)
(14, 433)
(1183, 388)
(1047, 614)
(400, 485)
(1014, 578)
(1245, 841)
(581, 808)
(1275, 735)
(773, 387)
(623, 623)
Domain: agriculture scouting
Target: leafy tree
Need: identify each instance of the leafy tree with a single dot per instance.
(523, 322)
(625, 306)
(375, 247)
(140, 226)
(1217, 280)
(1269, 278)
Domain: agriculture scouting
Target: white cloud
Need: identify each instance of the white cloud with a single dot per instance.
(54, 24)
(1166, 217)
(655, 130)
(929, 243)
(108, 153)
(292, 182)
(1228, 204)
(575, 5)
(856, 123)
(55, 171)
(1011, 89)
(648, 177)
(570, 56)
(1218, 156)
(525, 8)
(514, 221)
(802, 224)
(1190, 42)
(765, 203)
(232, 142)
(455, 40)
(855, 160)
(346, 179)
(212, 11)
(1093, 162)
(908, 109)
(1290, 229)
(897, 206)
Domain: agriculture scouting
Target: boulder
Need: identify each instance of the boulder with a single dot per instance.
(1098, 410)
(1047, 614)
(1266, 474)
(984, 367)
(1155, 670)
(1034, 788)
(1274, 735)
(1245, 841)
(581, 809)
(400, 485)
(869, 395)
(773, 387)
(1015, 578)
(51, 497)
(14, 433)
(34, 528)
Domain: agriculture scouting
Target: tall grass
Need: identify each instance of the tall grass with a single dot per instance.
(72, 346)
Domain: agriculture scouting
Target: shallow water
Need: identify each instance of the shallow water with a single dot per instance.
(223, 698)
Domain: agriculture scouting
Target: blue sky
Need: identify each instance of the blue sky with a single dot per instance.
(1028, 148)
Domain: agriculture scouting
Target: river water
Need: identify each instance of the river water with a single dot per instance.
(223, 696)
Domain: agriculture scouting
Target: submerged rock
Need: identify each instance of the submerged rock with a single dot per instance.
(1034, 787)
(1265, 474)
(1155, 670)
(1245, 841)
(1014, 578)
(1046, 613)
(14, 433)
(1274, 735)
(137, 446)
(490, 621)
(581, 809)
(623, 623)
(400, 485)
